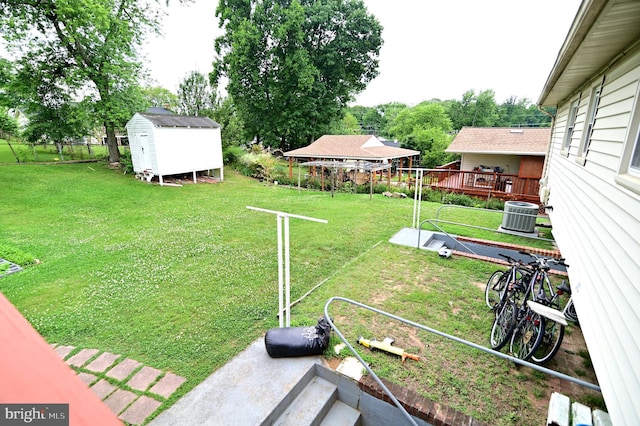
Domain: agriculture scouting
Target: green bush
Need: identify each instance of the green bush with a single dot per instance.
(126, 164)
(232, 154)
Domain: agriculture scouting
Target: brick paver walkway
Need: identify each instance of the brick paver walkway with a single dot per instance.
(131, 390)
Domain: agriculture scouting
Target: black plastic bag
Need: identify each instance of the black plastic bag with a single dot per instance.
(298, 341)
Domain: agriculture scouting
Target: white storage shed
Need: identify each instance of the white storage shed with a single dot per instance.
(169, 144)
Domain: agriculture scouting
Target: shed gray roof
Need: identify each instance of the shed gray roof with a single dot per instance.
(168, 120)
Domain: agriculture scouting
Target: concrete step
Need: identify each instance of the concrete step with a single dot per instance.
(342, 415)
(243, 392)
(434, 245)
(311, 405)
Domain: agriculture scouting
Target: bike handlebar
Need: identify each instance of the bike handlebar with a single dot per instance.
(543, 261)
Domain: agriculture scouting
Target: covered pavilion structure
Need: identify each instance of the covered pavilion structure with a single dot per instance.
(361, 156)
(358, 167)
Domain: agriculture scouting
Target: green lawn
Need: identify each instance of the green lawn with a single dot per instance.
(47, 153)
(183, 278)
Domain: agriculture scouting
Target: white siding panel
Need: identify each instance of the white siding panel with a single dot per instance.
(183, 150)
(618, 90)
(612, 135)
(600, 240)
(602, 164)
(613, 109)
(596, 223)
(613, 121)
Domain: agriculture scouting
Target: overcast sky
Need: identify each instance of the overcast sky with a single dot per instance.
(432, 49)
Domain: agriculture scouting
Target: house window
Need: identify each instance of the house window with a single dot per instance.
(593, 108)
(571, 121)
(634, 164)
(629, 169)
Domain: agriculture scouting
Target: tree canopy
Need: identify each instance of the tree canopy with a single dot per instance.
(195, 95)
(294, 65)
(89, 50)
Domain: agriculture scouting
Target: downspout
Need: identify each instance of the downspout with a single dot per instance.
(544, 181)
(546, 158)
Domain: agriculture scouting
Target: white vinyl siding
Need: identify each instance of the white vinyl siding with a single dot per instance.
(596, 223)
(174, 150)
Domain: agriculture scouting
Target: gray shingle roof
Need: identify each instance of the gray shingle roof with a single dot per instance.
(501, 140)
(167, 120)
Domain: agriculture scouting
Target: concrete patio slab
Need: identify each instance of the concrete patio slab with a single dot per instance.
(252, 383)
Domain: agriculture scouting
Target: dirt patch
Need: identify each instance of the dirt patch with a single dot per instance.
(480, 285)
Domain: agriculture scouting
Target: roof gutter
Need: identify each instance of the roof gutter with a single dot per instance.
(582, 23)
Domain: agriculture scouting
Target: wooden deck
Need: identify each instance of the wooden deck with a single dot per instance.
(482, 184)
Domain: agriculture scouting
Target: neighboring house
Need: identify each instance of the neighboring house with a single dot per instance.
(498, 162)
(20, 117)
(517, 151)
(169, 144)
(592, 180)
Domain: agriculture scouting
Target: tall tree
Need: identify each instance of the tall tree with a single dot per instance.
(94, 42)
(294, 64)
(516, 112)
(225, 114)
(195, 95)
(473, 110)
(160, 97)
(425, 128)
(347, 125)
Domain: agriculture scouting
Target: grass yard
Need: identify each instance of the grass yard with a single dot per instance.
(48, 153)
(184, 278)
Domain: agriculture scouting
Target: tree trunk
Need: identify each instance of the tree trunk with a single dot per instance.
(112, 143)
(12, 150)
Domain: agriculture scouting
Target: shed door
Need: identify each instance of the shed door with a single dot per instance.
(145, 153)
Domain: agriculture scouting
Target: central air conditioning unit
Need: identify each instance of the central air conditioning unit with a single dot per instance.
(520, 216)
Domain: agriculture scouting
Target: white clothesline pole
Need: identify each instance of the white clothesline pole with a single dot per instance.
(284, 260)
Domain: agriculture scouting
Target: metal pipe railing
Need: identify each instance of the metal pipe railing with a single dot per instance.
(444, 232)
(441, 334)
(437, 219)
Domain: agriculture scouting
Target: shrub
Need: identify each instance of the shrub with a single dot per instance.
(458, 199)
(232, 154)
(126, 164)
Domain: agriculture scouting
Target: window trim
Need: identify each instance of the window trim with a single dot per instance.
(572, 116)
(629, 176)
(592, 112)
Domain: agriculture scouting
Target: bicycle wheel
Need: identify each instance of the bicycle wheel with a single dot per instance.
(503, 325)
(527, 335)
(570, 312)
(494, 288)
(550, 343)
